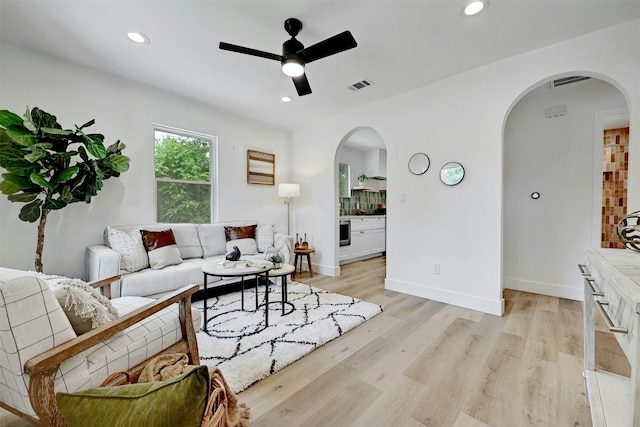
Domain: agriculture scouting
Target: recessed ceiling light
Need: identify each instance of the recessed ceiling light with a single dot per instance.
(475, 7)
(138, 38)
(287, 99)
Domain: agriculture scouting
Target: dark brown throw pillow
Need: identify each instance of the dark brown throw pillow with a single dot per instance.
(157, 239)
(235, 233)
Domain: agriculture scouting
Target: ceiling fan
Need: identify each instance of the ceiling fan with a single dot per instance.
(295, 56)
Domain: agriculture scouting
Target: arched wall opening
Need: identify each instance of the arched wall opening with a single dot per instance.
(362, 151)
(553, 146)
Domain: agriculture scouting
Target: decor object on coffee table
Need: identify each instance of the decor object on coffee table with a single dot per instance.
(275, 257)
(49, 168)
(628, 231)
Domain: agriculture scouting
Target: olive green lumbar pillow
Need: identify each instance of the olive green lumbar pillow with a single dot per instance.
(176, 402)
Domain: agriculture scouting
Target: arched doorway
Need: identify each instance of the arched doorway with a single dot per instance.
(552, 189)
(360, 183)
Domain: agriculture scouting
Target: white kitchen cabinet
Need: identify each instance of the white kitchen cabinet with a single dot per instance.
(368, 239)
(612, 285)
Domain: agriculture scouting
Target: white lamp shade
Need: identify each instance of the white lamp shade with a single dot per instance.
(289, 190)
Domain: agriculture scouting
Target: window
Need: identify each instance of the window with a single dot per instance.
(184, 163)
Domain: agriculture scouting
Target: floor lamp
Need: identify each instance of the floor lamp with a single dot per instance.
(288, 191)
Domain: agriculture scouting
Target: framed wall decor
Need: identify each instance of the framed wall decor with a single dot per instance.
(261, 167)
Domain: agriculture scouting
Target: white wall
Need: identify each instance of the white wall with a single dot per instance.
(554, 157)
(127, 111)
(457, 119)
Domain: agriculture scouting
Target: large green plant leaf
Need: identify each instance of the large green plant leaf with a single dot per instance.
(31, 211)
(19, 181)
(21, 135)
(118, 163)
(95, 147)
(54, 131)
(67, 174)
(35, 155)
(8, 188)
(7, 118)
(40, 180)
(22, 197)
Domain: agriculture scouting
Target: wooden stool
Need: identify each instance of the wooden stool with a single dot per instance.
(299, 254)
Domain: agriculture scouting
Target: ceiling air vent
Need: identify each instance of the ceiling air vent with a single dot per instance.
(360, 85)
(567, 81)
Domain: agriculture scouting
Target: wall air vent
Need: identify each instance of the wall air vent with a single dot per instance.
(360, 85)
(567, 81)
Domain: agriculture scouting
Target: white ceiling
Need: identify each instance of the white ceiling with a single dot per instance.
(402, 45)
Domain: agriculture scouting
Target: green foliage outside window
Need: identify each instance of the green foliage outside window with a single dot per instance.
(182, 167)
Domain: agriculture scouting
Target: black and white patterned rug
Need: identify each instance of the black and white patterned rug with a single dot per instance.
(319, 317)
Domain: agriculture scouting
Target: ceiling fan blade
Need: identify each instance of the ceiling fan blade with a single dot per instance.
(332, 45)
(302, 85)
(249, 51)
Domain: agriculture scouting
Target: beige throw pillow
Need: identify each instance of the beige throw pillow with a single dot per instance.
(84, 306)
(133, 256)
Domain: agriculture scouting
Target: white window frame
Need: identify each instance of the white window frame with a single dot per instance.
(213, 167)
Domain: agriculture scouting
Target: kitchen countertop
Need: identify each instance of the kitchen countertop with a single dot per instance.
(360, 216)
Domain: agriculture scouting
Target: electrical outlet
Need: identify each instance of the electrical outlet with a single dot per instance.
(435, 269)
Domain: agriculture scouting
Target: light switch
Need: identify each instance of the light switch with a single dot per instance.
(403, 198)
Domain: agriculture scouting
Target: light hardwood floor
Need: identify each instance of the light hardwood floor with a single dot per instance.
(425, 363)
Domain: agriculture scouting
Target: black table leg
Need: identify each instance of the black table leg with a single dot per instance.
(204, 324)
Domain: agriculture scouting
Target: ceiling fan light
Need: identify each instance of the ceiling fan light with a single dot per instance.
(293, 67)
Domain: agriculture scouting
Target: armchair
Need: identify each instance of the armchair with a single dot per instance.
(40, 353)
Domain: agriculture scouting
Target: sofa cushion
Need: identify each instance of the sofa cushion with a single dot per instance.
(178, 401)
(212, 238)
(264, 237)
(161, 247)
(84, 306)
(240, 232)
(246, 246)
(149, 282)
(138, 342)
(133, 256)
(186, 236)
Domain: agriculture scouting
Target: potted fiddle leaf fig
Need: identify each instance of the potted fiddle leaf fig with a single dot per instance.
(48, 167)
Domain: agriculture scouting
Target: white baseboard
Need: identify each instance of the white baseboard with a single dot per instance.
(462, 300)
(573, 293)
(332, 271)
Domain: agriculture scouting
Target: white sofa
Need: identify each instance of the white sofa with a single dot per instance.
(197, 244)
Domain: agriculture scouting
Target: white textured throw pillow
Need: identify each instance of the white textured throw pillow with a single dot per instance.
(164, 256)
(264, 237)
(246, 246)
(84, 306)
(133, 255)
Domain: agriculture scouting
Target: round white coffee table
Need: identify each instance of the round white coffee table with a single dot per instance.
(242, 269)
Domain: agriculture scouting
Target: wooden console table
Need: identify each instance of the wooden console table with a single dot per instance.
(612, 284)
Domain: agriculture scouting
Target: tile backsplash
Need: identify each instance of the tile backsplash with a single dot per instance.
(615, 168)
(367, 200)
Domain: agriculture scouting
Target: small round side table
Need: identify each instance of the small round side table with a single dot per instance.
(283, 272)
(299, 253)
